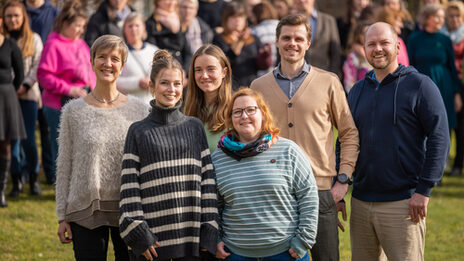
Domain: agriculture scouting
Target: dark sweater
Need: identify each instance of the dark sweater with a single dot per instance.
(211, 12)
(403, 135)
(41, 19)
(11, 59)
(244, 66)
(100, 24)
(168, 188)
(164, 38)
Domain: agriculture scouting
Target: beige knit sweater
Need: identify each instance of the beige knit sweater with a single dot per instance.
(308, 119)
(91, 144)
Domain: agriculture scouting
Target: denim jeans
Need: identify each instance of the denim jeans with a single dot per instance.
(24, 155)
(53, 120)
(46, 153)
(285, 256)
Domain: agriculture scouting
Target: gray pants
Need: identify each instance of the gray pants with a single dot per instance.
(326, 247)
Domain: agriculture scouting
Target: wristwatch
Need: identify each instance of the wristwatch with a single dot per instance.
(343, 179)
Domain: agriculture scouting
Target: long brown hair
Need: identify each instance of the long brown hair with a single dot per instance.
(195, 104)
(268, 123)
(26, 39)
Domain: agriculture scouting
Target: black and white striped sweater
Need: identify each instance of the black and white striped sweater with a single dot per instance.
(168, 187)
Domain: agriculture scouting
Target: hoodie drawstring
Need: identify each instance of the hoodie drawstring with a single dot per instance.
(394, 99)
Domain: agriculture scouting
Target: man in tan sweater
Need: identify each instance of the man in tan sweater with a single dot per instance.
(307, 103)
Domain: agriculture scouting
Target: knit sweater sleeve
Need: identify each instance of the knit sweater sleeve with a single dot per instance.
(64, 162)
(209, 211)
(347, 131)
(133, 228)
(305, 189)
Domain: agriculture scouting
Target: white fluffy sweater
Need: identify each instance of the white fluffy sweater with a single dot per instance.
(91, 143)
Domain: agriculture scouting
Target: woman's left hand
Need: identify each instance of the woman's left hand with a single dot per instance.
(293, 254)
(21, 90)
(220, 252)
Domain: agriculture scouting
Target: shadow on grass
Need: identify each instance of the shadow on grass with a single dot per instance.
(45, 197)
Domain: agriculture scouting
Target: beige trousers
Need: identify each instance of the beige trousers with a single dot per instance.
(381, 230)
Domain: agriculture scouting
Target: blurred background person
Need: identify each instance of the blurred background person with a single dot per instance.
(346, 23)
(92, 134)
(210, 11)
(265, 17)
(108, 19)
(240, 46)
(283, 7)
(454, 28)
(164, 31)
(356, 65)
(432, 54)
(195, 29)
(42, 15)
(25, 158)
(325, 51)
(64, 68)
(135, 77)
(408, 22)
(279, 199)
(394, 18)
(249, 4)
(11, 120)
(209, 91)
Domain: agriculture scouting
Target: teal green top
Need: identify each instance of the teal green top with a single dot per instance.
(267, 203)
(213, 138)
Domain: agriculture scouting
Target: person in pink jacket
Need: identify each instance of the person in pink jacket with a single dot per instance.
(64, 69)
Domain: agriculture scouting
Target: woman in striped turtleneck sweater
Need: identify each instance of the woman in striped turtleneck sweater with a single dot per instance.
(168, 189)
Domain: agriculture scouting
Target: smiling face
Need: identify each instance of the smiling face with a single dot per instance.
(75, 29)
(107, 65)
(134, 31)
(248, 127)
(14, 18)
(209, 73)
(167, 87)
(293, 43)
(382, 47)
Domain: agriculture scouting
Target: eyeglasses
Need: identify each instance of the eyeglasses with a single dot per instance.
(250, 110)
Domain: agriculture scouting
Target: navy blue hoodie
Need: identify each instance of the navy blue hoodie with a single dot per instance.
(403, 135)
(42, 19)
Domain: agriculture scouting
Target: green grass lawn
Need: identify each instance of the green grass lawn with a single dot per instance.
(28, 226)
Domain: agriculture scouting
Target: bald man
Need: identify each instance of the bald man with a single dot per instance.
(404, 143)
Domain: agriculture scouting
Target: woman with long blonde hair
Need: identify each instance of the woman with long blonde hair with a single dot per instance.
(16, 26)
(209, 90)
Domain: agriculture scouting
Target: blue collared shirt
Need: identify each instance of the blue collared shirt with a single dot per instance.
(313, 22)
(290, 86)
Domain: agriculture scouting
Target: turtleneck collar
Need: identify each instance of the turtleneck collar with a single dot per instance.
(15, 34)
(165, 115)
